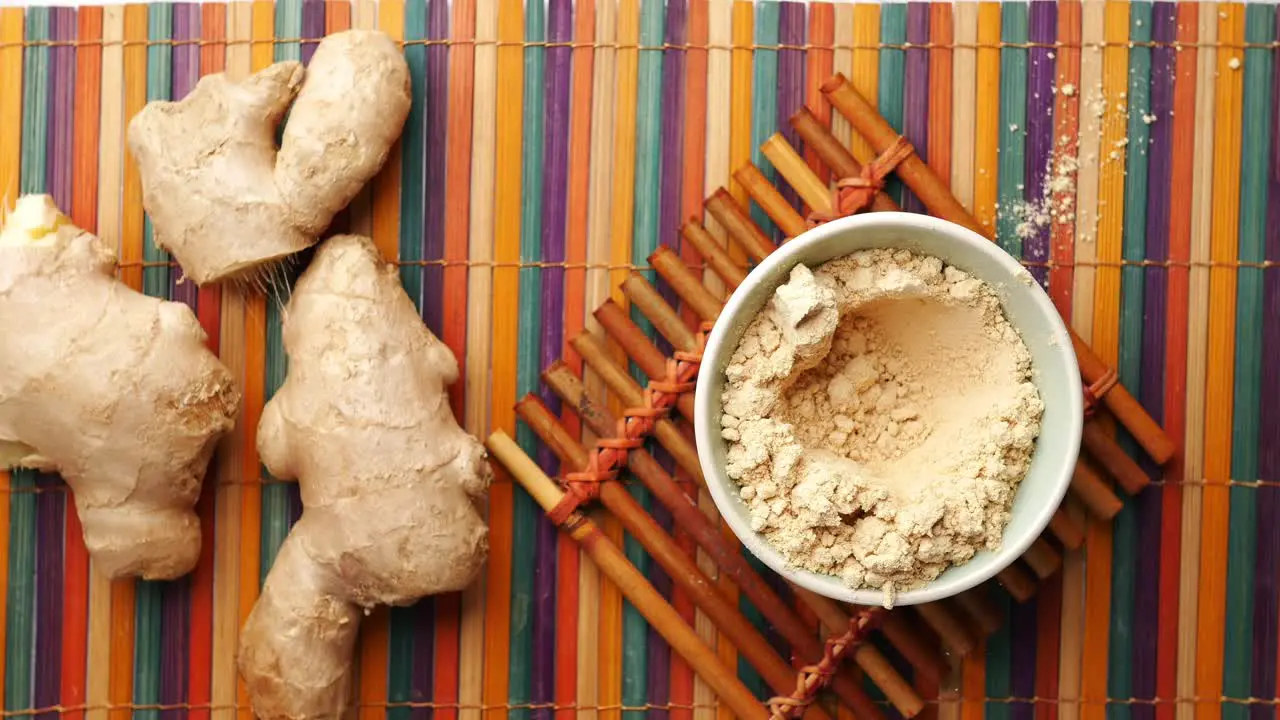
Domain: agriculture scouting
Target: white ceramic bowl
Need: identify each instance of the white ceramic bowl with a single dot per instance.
(1028, 309)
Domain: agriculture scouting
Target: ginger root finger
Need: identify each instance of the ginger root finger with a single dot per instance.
(113, 389)
(390, 484)
(221, 197)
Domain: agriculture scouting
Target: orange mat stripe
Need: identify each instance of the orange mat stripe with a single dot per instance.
(1219, 396)
(820, 64)
(1106, 341)
(506, 282)
(11, 33)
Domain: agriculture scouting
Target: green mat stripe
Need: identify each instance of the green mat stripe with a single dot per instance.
(526, 513)
(148, 598)
(1237, 668)
(1010, 179)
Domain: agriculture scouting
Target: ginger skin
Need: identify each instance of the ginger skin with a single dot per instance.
(113, 389)
(221, 197)
(390, 484)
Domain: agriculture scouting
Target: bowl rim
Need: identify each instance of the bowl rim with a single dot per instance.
(718, 482)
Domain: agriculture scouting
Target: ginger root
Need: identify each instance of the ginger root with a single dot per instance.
(113, 389)
(220, 196)
(390, 484)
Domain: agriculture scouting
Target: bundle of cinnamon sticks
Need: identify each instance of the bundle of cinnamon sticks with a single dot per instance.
(664, 409)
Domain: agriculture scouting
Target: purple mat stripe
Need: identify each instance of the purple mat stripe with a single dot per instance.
(1151, 392)
(1040, 102)
(51, 502)
(915, 117)
(791, 34)
(1266, 610)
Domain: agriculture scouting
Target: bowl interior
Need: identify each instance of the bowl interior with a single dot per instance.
(1028, 309)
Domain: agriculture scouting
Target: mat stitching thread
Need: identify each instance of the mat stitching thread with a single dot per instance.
(659, 47)
(951, 700)
(567, 265)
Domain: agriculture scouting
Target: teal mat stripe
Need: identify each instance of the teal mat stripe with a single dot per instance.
(1125, 540)
(402, 621)
(764, 100)
(1260, 21)
(526, 512)
(1011, 166)
(1010, 179)
(149, 596)
(276, 519)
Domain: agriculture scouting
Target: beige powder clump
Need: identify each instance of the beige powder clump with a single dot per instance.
(879, 416)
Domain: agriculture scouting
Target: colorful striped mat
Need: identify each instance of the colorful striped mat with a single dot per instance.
(551, 147)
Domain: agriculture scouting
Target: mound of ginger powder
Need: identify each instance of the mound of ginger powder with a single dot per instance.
(879, 415)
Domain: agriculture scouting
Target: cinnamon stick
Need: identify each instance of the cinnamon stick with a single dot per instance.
(1113, 458)
(726, 211)
(638, 347)
(1017, 582)
(1042, 558)
(687, 285)
(647, 300)
(948, 626)
(621, 384)
(833, 154)
(770, 200)
(935, 196)
(633, 585)
(715, 256)
(868, 123)
(690, 518)
(816, 137)
(662, 548)
(977, 606)
(1089, 486)
(1124, 406)
(798, 175)
(1068, 532)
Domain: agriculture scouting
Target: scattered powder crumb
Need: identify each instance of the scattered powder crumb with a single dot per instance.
(1069, 90)
(1148, 118)
(1098, 105)
(1234, 63)
(1056, 202)
(879, 415)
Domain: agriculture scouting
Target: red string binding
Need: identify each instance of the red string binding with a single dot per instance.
(636, 423)
(813, 678)
(855, 194)
(1094, 393)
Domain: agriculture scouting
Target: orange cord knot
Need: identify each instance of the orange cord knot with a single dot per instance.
(813, 678)
(855, 194)
(1094, 393)
(583, 486)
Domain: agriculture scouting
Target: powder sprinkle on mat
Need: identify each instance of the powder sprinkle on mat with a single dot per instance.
(879, 415)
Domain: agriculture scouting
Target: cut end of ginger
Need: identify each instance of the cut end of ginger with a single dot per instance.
(34, 220)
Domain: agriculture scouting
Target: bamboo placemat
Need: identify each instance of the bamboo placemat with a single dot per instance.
(551, 147)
